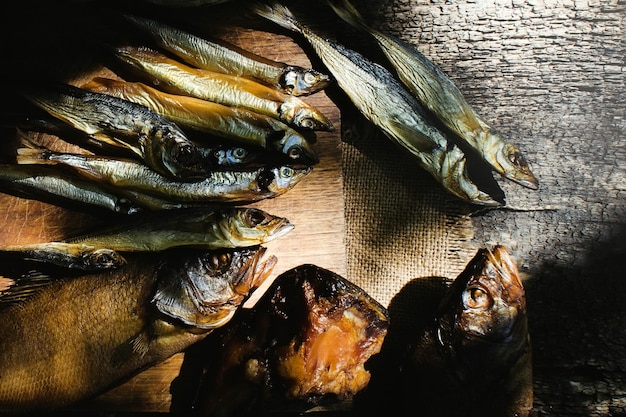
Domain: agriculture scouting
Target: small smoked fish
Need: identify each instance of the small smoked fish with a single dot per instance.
(474, 357)
(218, 187)
(304, 343)
(221, 57)
(69, 339)
(61, 187)
(441, 96)
(385, 102)
(233, 124)
(117, 122)
(230, 90)
(82, 257)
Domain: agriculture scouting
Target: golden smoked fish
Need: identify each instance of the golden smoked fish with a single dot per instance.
(473, 358)
(60, 187)
(221, 57)
(70, 339)
(233, 124)
(230, 90)
(385, 102)
(305, 343)
(218, 187)
(155, 140)
(438, 93)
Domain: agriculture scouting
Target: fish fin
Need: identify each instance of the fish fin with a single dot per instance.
(15, 290)
(411, 136)
(138, 345)
(277, 13)
(347, 12)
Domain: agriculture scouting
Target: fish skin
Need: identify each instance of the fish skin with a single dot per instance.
(438, 93)
(233, 124)
(117, 122)
(218, 187)
(304, 343)
(46, 183)
(225, 89)
(75, 338)
(474, 357)
(384, 101)
(220, 57)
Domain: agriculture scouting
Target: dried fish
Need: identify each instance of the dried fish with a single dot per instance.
(385, 102)
(225, 89)
(221, 57)
(233, 124)
(64, 340)
(116, 122)
(438, 93)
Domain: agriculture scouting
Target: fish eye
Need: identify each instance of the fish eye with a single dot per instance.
(183, 154)
(307, 123)
(286, 172)
(104, 258)
(256, 217)
(220, 261)
(476, 298)
(517, 159)
(294, 152)
(240, 153)
(309, 78)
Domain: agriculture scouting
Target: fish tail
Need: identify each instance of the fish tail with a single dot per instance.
(348, 13)
(278, 14)
(30, 153)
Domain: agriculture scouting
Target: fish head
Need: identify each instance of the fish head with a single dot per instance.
(175, 154)
(511, 160)
(482, 321)
(223, 156)
(203, 289)
(102, 258)
(279, 180)
(252, 224)
(294, 146)
(298, 81)
(299, 113)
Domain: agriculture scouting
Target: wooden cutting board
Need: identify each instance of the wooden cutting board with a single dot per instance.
(315, 207)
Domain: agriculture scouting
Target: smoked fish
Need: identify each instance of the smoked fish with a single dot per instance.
(222, 57)
(70, 339)
(438, 93)
(385, 102)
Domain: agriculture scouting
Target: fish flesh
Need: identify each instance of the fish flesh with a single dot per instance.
(230, 90)
(66, 340)
(221, 57)
(474, 357)
(438, 93)
(219, 187)
(233, 124)
(160, 143)
(385, 102)
(304, 343)
(60, 187)
(81, 257)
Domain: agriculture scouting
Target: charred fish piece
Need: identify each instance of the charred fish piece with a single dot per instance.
(70, 339)
(385, 102)
(305, 343)
(438, 93)
(474, 359)
(115, 122)
(233, 124)
(230, 90)
(218, 56)
(219, 187)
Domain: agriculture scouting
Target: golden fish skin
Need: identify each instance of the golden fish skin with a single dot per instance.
(471, 356)
(438, 93)
(225, 89)
(218, 187)
(62, 188)
(223, 227)
(304, 343)
(82, 257)
(220, 57)
(233, 124)
(72, 339)
(385, 102)
(116, 122)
